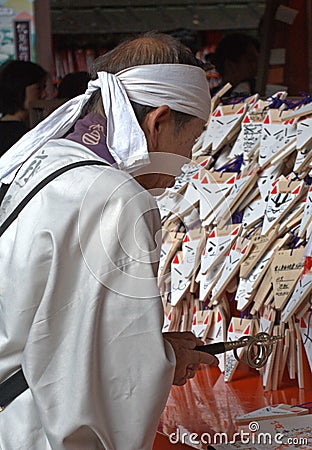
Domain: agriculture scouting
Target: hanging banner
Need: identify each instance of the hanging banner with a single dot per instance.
(17, 30)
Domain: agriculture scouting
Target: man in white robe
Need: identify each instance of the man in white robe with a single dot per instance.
(80, 310)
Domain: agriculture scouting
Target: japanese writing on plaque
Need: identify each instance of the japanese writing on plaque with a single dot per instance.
(22, 39)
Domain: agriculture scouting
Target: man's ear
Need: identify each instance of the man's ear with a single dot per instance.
(155, 123)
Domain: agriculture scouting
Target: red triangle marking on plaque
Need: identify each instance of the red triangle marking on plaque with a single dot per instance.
(297, 190)
(231, 328)
(217, 113)
(267, 119)
(244, 249)
(206, 320)
(274, 190)
(231, 180)
(234, 232)
(212, 234)
(196, 176)
(205, 180)
(247, 331)
(176, 260)
(186, 239)
(246, 120)
(302, 323)
(241, 111)
(219, 318)
(194, 321)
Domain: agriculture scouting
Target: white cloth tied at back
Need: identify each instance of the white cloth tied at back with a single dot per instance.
(182, 87)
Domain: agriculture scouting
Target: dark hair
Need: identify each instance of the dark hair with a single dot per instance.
(231, 48)
(147, 48)
(73, 84)
(15, 76)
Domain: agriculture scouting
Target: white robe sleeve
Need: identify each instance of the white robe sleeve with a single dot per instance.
(98, 368)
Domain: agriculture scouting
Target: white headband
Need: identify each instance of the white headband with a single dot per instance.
(183, 88)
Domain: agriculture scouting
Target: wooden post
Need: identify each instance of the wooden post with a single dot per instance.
(298, 52)
(44, 38)
(267, 34)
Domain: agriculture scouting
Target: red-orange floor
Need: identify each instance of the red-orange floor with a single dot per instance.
(206, 404)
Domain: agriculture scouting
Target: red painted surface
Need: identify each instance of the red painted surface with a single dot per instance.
(206, 404)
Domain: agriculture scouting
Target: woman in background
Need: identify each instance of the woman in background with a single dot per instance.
(236, 60)
(73, 84)
(21, 82)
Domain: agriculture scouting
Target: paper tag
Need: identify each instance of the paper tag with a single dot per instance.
(286, 14)
(267, 320)
(219, 242)
(237, 328)
(280, 201)
(164, 252)
(201, 317)
(302, 290)
(241, 187)
(265, 180)
(307, 214)
(277, 56)
(249, 138)
(223, 121)
(217, 332)
(179, 283)
(188, 200)
(231, 266)
(259, 246)
(280, 410)
(213, 193)
(304, 132)
(248, 286)
(275, 136)
(189, 249)
(286, 268)
(208, 281)
(253, 212)
(166, 203)
(264, 294)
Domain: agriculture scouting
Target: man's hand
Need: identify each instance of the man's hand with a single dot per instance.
(187, 359)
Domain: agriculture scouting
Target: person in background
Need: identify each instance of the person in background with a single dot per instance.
(73, 84)
(21, 82)
(236, 60)
(81, 312)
